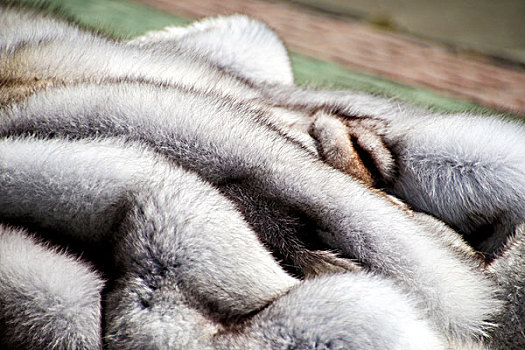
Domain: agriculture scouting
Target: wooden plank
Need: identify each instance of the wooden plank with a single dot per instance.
(359, 46)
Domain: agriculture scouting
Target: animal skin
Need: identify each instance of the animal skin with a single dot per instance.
(223, 207)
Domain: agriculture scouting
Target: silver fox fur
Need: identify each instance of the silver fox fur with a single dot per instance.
(48, 300)
(176, 270)
(214, 147)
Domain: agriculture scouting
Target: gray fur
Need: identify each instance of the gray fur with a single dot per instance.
(345, 317)
(509, 272)
(163, 297)
(236, 44)
(481, 179)
(48, 299)
(246, 132)
(467, 170)
(352, 217)
(48, 183)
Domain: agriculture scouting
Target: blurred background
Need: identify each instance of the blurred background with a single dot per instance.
(495, 28)
(448, 55)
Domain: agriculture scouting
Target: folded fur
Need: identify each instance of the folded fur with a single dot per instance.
(203, 185)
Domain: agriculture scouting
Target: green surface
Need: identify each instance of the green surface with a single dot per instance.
(117, 18)
(127, 19)
(309, 71)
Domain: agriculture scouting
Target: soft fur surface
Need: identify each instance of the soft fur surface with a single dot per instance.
(47, 298)
(218, 200)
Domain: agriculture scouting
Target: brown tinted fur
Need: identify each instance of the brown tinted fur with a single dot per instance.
(337, 140)
(16, 90)
(336, 147)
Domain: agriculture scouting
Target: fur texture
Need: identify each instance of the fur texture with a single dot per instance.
(48, 299)
(208, 146)
(509, 272)
(161, 295)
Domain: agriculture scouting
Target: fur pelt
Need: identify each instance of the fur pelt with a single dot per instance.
(201, 200)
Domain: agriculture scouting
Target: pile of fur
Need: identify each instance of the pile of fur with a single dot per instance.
(177, 191)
